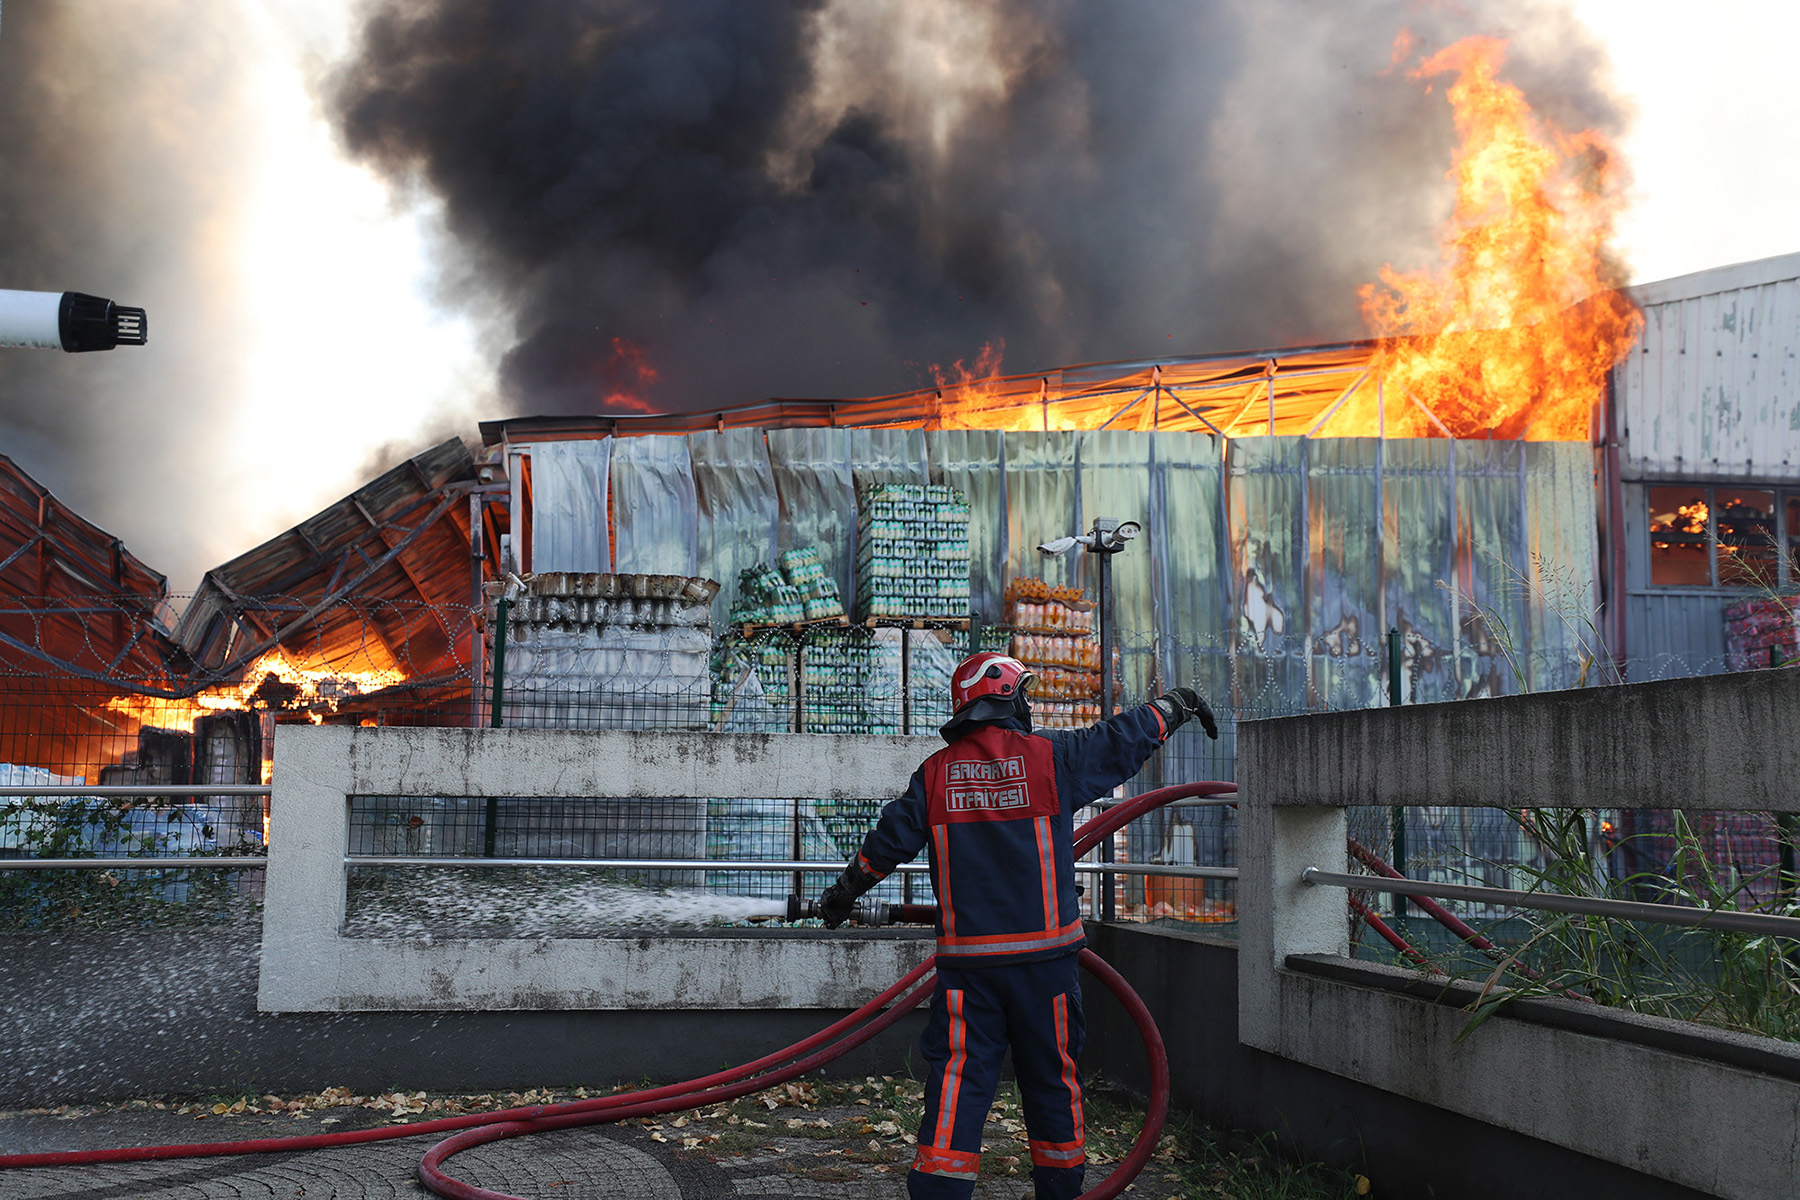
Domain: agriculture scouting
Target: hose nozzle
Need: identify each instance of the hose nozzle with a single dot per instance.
(870, 912)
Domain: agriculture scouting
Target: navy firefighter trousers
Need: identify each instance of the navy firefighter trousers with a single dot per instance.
(975, 1014)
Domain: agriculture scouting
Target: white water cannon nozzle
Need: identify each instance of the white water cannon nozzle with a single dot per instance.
(72, 321)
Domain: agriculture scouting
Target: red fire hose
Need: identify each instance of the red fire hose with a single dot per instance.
(813, 1052)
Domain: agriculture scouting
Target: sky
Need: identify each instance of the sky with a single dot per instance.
(334, 282)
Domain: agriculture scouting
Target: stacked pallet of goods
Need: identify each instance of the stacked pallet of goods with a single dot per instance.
(1764, 632)
(1053, 634)
(800, 591)
(834, 671)
(912, 553)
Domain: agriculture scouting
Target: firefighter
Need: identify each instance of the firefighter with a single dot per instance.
(995, 811)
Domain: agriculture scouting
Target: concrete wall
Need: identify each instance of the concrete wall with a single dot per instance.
(1682, 1105)
(1408, 1148)
(91, 1017)
(308, 966)
(1603, 747)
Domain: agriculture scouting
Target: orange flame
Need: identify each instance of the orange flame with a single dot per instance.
(977, 397)
(307, 689)
(627, 374)
(1514, 336)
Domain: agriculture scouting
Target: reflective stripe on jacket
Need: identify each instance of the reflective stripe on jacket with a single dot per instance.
(995, 811)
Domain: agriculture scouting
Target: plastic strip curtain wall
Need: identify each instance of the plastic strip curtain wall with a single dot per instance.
(1493, 649)
(737, 509)
(1115, 483)
(974, 461)
(818, 497)
(1562, 557)
(1418, 553)
(1265, 501)
(655, 512)
(1042, 503)
(568, 498)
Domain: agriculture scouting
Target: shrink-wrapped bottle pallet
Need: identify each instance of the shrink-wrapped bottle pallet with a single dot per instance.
(800, 591)
(912, 556)
(1053, 634)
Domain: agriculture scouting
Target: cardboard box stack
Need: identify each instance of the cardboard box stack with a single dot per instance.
(912, 556)
(1764, 632)
(1053, 634)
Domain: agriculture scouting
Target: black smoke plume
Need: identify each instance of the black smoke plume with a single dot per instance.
(706, 202)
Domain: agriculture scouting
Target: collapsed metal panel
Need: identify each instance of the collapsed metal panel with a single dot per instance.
(377, 581)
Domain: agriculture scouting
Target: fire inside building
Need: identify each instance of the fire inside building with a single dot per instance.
(1320, 528)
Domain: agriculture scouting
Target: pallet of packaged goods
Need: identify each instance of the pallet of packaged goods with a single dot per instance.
(912, 555)
(1033, 605)
(801, 593)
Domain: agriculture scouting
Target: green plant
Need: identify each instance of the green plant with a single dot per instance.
(1744, 982)
(92, 827)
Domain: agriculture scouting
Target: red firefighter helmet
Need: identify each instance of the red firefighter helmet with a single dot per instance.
(987, 686)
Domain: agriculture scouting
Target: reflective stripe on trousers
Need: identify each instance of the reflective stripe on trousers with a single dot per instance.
(975, 1015)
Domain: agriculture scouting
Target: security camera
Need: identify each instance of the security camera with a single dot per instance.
(1061, 545)
(72, 321)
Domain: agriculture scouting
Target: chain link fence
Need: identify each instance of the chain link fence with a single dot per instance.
(102, 693)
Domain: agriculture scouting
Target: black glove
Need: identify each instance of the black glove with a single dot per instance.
(836, 904)
(1178, 705)
(838, 901)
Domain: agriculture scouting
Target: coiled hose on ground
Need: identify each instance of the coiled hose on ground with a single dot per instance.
(809, 1054)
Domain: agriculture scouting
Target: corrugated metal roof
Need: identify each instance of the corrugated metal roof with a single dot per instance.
(1712, 388)
(379, 580)
(1237, 393)
(55, 568)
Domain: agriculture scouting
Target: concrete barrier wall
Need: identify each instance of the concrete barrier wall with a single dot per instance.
(1682, 1105)
(109, 1016)
(1407, 1147)
(308, 966)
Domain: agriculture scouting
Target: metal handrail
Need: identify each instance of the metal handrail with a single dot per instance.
(241, 862)
(783, 866)
(1223, 800)
(140, 789)
(1630, 910)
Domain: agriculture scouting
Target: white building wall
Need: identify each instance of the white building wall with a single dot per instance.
(1712, 389)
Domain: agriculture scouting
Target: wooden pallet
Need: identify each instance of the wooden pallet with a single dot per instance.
(916, 623)
(842, 621)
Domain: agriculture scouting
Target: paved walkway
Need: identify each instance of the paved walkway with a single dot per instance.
(826, 1154)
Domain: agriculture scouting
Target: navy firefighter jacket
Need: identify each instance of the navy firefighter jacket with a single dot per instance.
(995, 809)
